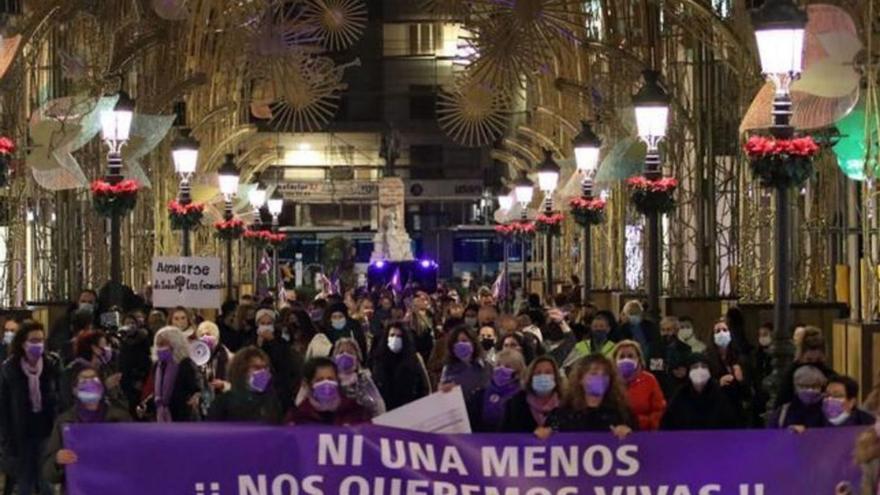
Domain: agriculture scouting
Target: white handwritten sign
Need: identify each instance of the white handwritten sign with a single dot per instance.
(188, 282)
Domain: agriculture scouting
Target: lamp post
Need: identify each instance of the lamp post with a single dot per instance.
(779, 32)
(505, 203)
(523, 191)
(275, 205)
(586, 154)
(185, 155)
(228, 180)
(257, 199)
(652, 110)
(548, 179)
(115, 130)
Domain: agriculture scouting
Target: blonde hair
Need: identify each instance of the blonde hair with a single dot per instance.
(175, 338)
(632, 307)
(511, 358)
(629, 343)
(208, 328)
(670, 320)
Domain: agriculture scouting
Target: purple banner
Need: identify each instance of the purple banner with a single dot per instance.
(215, 459)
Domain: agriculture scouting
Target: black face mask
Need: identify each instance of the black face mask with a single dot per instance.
(487, 344)
(599, 336)
(667, 339)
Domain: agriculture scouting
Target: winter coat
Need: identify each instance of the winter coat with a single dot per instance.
(797, 413)
(601, 418)
(348, 413)
(18, 424)
(470, 376)
(706, 410)
(646, 400)
(243, 405)
(400, 379)
(186, 384)
(518, 415)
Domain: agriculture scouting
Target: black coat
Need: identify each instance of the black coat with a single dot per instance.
(286, 365)
(797, 413)
(664, 357)
(649, 330)
(706, 410)
(246, 406)
(18, 425)
(400, 378)
(518, 416)
(858, 417)
(601, 418)
(186, 384)
(134, 362)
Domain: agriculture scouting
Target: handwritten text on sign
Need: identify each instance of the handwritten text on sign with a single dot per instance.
(188, 282)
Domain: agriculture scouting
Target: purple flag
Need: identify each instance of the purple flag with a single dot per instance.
(224, 459)
(499, 288)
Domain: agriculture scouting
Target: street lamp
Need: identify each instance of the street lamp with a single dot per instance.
(523, 191)
(779, 32)
(586, 153)
(185, 155)
(228, 178)
(548, 179)
(115, 129)
(652, 111)
(276, 206)
(257, 199)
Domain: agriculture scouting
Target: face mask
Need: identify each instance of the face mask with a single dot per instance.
(34, 350)
(502, 375)
(164, 354)
(259, 380)
(596, 385)
(7, 338)
(106, 354)
(667, 339)
(599, 336)
(487, 344)
(90, 391)
(635, 320)
(463, 350)
(809, 396)
(338, 324)
(699, 376)
(265, 329)
(627, 367)
(832, 408)
(326, 392)
(86, 307)
(543, 384)
(395, 344)
(765, 341)
(345, 362)
(210, 341)
(684, 333)
(722, 339)
(471, 322)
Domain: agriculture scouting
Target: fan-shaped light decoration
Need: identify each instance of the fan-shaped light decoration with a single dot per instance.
(473, 113)
(554, 22)
(500, 55)
(147, 131)
(278, 29)
(339, 23)
(448, 9)
(829, 86)
(300, 90)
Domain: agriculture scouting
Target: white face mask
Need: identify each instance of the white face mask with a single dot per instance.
(8, 337)
(722, 338)
(395, 344)
(840, 419)
(765, 341)
(699, 376)
(264, 329)
(685, 333)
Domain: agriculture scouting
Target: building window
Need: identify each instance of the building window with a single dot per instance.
(422, 102)
(412, 39)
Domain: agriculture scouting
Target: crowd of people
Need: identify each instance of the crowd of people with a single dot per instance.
(545, 367)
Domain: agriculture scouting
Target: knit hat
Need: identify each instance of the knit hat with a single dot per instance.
(265, 312)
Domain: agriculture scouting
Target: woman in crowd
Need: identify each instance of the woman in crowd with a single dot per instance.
(356, 380)
(324, 402)
(10, 328)
(336, 325)
(687, 335)
(398, 370)
(596, 340)
(283, 360)
(635, 327)
(90, 406)
(840, 405)
(668, 363)
(29, 390)
(595, 400)
(728, 367)
(183, 320)
(699, 405)
(805, 409)
(464, 363)
(557, 337)
(643, 393)
(174, 388)
(214, 371)
(763, 366)
(517, 341)
(488, 337)
(543, 386)
(421, 322)
(250, 397)
(486, 407)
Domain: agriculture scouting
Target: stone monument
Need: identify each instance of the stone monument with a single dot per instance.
(391, 242)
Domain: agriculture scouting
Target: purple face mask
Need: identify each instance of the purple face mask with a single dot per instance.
(808, 396)
(164, 354)
(34, 350)
(463, 350)
(106, 354)
(502, 375)
(90, 391)
(832, 407)
(345, 362)
(259, 380)
(596, 385)
(209, 341)
(627, 367)
(326, 391)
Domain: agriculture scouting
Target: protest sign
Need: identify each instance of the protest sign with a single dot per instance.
(189, 282)
(437, 413)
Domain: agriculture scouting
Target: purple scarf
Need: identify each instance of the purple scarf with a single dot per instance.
(163, 387)
(33, 372)
(495, 398)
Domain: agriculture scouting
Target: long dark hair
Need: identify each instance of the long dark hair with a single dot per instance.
(615, 396)
(241, 361)
(21, 336)
(82, 345)
(381, 352)
(453, 338)
(528, 346)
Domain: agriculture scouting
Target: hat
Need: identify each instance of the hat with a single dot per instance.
(337, 308)
(265, 312)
